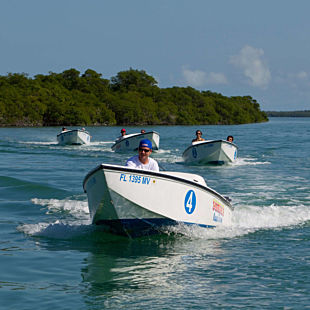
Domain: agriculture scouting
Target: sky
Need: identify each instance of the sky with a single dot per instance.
(233, 47)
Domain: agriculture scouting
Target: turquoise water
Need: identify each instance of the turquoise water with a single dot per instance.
(52, 257)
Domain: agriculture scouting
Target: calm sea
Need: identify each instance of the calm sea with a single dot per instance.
(51, 257)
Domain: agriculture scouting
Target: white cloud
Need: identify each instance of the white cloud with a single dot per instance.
(295, 80)
(302, 75)
(197, 78)
(217, 78)
(251, 60)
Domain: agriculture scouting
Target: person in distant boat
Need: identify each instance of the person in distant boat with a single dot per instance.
(230, 139)
(64, 129)
(123, 134)
(142, 131)
(143, 160)
(198, 136)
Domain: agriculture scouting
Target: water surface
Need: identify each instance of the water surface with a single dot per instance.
(52, 257)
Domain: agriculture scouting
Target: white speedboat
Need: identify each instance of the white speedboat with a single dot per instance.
(210, 152)
(137, 202)
(131, 142)
(75, 136)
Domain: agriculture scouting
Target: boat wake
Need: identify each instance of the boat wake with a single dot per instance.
(248, 162)
(77, 208)
(74, 221)
(45, 143)
(102, 146)
(170, 159)
(57, 230)
(250, 219)
(96, 143)
(163, 151)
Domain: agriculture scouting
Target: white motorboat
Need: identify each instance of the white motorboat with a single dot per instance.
(210, 152)
(137, 202)
(131, 142)
(75, 136)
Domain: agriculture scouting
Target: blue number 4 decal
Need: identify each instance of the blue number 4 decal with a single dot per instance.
(190, 202)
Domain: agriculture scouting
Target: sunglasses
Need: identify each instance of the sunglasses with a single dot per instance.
(198, 133)
(143, 150)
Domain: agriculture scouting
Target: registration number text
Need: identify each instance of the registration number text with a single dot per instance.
(132, 178)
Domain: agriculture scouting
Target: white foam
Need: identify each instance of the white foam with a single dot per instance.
(249, 162)
(162, 151)
(249, 219)
(57, 230)
(94, 143)
(101, 142)
(246, 219)
(97, 148)
(170, 159)
(254, 217)
(32, 229)
(77, 208)
(39, 142)
(79, 222)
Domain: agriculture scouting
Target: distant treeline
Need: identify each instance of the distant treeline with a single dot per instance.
(132, 97)
(305, 113)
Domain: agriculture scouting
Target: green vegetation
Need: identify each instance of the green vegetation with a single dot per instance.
(305, 113)
(130, 98)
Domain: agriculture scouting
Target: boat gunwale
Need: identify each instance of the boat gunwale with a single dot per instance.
(156, 174)
(133, 135)
(72, 130)
(208, 142)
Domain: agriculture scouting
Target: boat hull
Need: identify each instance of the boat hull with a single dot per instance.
(210, 152)
(136, 202)
(75, 137)
(131, 143)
